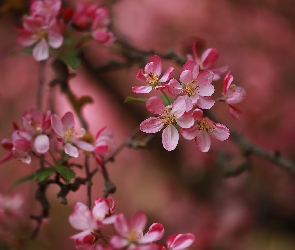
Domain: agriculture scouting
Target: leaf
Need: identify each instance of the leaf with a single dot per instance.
(67, 173)
(22, 180)
(43, 173)
(165, 100)
(130, 98)
(71, 58)
(28, 50)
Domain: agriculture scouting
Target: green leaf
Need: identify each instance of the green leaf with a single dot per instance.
(71, 58)
(22, 180)
(130, 98)
(67, 173)
(43, 173)
(165, 100)
(28, 50)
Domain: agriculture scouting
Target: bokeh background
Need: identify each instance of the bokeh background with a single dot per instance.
(183, 189)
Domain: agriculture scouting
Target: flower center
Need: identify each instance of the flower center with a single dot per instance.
(190, 88)
(206, 125)
(152, 79)
(168, 117)
(133, 235)
(41, 34)
(70, 134)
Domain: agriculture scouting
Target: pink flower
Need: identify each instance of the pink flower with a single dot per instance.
(42, 33)
(90, 222)
(232, 94)
(195, 86)
(88, 17)
(151, 75)
(131, 233)
(103, 144)
(203, 129)
(46, 8)
(38, 126)
(180, 241)
(65, 130)
(208, 60)
(167, 118)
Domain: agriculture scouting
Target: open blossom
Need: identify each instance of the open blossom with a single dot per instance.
(38, 126)
(42, 33)
(207, 61)
(65, 130)
(45, 8)
(167, 118)
(90, 222)
(19, 147)
(203, 129)
(151, 75)
(232, 94)
(194, 85)
(131, 233)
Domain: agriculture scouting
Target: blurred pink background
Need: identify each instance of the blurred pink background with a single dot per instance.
(183, 189)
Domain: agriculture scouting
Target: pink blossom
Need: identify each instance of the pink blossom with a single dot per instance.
(88, 17)
(180, 241)
(90, 222)
(151, 75)
(131, 233)
(65, 130)
(38, 126)
(203, 129)
(41, 33)
(18, 146)
(45, 8)
(232, 94)
(167, 118)
(195, 86)
(207, 61)
(103, 144)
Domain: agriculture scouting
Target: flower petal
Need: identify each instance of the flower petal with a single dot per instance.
(185, 121)
(57, 125)
(167, 75)
(41, 144)
(170, 138)
(138, 221)
(155, 105)
(221, 132)
(142, 89)
(152, 125)
(203, 141)
(209, 58)
(68, 120)
(41, 51)
(71, 150)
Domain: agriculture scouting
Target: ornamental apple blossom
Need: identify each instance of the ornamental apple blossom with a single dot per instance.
(45, 8)
(203, 129)
(167, 118)
(66, 133)
(38, 126)
(90, 222)
(232, 94)
(208, 60)
(151, 75)
(42, 33)
(195, 86)
(131, 233)
(89, 17)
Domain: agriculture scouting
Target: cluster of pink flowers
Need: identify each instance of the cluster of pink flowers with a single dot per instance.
(192, 93)
(129, 233)
(45, 27)
(42, 133)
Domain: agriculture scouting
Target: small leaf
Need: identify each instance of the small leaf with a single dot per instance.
(28, 50)
(130, 98)
(22, 180)
(43, 173)
(71, 58)
(165, 100)
(67, 173)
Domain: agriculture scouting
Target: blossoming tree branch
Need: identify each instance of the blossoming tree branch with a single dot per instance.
(179, 106)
